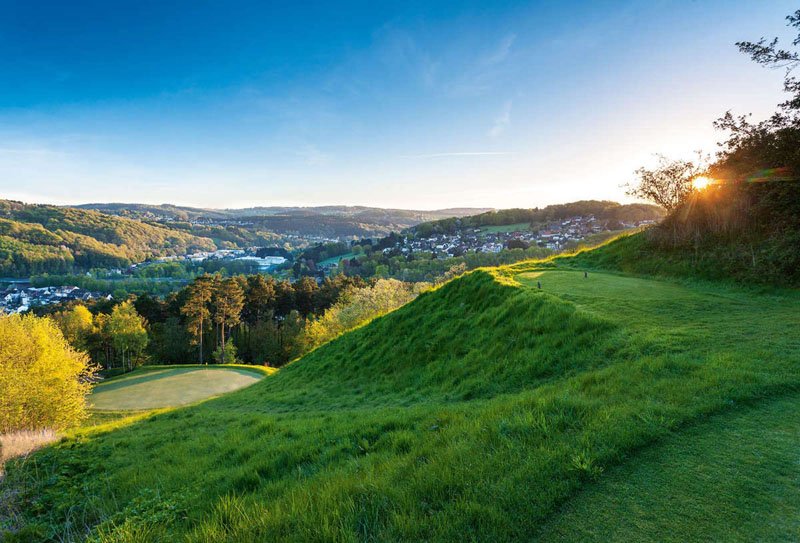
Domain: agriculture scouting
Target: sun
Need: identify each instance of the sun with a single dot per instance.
(701, 182)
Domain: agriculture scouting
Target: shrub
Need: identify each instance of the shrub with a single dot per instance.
(43, 380)
(360, 305)
(231, 356)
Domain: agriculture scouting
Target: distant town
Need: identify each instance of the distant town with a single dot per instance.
(20, 297)
(554, 235)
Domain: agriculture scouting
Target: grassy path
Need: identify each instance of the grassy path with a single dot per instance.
(733, 478)
(680, 317)
(169, 387)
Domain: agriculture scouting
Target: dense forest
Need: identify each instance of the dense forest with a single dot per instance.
(249, 319)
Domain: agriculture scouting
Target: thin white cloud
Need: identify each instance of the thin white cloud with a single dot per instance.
(313, 155)
(399, 48)
(463, 153)
(485, 71)
(502, 121)
(501, 52)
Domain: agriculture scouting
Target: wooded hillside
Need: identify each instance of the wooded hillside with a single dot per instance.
(42, 238)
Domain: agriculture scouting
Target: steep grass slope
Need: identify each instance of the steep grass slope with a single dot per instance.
(470, 414)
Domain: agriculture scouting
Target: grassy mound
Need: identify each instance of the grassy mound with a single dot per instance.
(471, 338)
(471, 414)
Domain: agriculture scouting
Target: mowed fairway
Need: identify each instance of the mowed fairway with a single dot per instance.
(677, 316)
(726, 479)
(154, 388)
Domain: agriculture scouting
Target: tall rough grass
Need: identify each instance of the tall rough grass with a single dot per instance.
(24, 442)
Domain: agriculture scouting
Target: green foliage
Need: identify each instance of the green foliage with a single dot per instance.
(358, 306)
(230, 354)
(423, 267)
(228, 303)
(37, 239)
(110, 285)
(196, 308)
(736, 232)
(322, 252)
(128, 334)
(43, 381)
(76, 324)
(170, 342)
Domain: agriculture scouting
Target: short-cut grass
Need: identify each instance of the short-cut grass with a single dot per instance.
(731, 478)
(477, 412)
(168, 386)
(335, 259)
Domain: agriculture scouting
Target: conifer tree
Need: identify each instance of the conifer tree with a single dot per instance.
(195, 309)
(228, 302)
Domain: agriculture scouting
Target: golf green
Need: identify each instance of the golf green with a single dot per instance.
(168, 387)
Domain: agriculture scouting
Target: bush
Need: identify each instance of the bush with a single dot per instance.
(358, 306)
(43, 381)
(231, 356)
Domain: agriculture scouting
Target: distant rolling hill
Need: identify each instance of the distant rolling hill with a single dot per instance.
(38, 239)
(255, 225)
(601, 209)
(357, 214)
(44, 238)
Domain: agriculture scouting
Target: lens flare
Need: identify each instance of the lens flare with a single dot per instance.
(699, 183)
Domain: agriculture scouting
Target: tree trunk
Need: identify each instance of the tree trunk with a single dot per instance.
(223, 342)
(201, 341)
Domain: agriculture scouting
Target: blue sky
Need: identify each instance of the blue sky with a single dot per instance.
(396, 104)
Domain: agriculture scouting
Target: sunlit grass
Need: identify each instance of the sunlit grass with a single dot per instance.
(470, 414)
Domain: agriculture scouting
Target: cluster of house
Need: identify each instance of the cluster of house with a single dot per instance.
(553, 235)
(18, 298)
